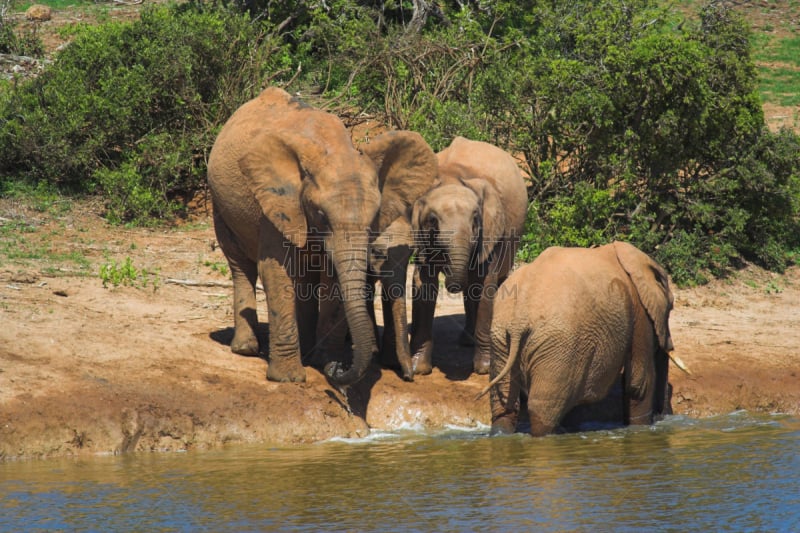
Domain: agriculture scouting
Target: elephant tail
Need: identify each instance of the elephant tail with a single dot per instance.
(513, 341)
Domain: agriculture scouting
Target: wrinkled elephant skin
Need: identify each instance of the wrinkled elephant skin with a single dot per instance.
(566, 325)
(296, 205)
(467, 227)
(407, 168)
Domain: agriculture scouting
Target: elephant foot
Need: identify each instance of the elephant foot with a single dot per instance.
(421, 364)
(481, 363)
(388, 359)
(505, 425)
(316, 358)
(644, 419)
(466, 338)
(244, 344)
(286, 369)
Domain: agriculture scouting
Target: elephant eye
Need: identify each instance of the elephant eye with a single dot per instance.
(431, 221)
(379, 253)
(322, 220)
(476, 221)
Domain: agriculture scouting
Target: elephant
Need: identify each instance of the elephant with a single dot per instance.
(466, 227)
(393, 247)
(568, 323)
(296, 205)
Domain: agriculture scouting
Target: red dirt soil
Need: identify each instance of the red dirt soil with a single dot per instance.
(88, 369)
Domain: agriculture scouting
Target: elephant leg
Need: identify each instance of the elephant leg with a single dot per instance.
(471, 297)
(396, 349)
(388, 355)
(554, 390)
(640, 387)
(504, 397)
(331, 331)
(640, 372)
(423, 307)
(306, 286)
(663, 394)
(483, 323)
(284, 348)
(497, 272)
(544, 414)
(371, 282)
(244, 272)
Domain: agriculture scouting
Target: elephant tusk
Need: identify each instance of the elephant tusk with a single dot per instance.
(680, 364)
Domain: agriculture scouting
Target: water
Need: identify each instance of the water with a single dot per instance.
(739, 472)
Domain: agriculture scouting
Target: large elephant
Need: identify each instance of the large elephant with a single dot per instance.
(410, 168)
(468, 228)
(295, 204)
(568, 323)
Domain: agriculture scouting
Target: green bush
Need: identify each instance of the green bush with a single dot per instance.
(633, 122)
(634, 125)
(24, 43)
(129, 109)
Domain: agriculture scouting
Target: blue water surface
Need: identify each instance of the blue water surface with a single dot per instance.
(739, 472)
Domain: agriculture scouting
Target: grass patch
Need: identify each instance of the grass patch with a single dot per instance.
(220, 267)
(24, 245)
(780, 50)
(126, 274)
(780, 86)
(778, 63)
(779, 69)
(54, 4)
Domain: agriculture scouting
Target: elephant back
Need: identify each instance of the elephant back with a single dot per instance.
(466, 160)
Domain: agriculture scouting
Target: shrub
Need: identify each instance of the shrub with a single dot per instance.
(633, 123)
(129, 108)
(26, 43)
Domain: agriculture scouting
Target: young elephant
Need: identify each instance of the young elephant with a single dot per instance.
(568, 323)
(294, 204)
(410, 169)
(466, 227)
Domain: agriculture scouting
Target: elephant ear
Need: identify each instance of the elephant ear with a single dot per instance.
(275, 177)
(406, 168)
(493, 219)
(421, 236)
(652, 284)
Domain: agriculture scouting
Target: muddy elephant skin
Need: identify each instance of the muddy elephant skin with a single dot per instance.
(296, 205)
(567, 324)
(467, 227)
(407, 167)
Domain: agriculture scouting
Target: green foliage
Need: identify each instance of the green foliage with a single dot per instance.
(12, 41)
(582, 218)
(127, 275)
(633, 122)
(779, 80)
(220, 267)
(129, 109)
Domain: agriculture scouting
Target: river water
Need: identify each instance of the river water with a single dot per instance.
(739, 472)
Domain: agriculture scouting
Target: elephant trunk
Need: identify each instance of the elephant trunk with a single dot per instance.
(457, 267)
(351, 267)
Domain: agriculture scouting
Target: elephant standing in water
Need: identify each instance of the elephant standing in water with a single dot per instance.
(566, 325)
(295, 204)
(468, 228)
